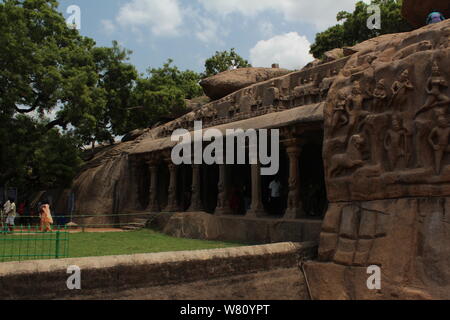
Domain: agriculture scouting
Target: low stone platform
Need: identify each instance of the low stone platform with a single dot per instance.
(253, 272)
(204, 226)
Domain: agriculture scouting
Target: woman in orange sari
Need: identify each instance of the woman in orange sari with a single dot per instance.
(46, 217)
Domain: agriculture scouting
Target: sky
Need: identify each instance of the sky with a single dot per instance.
(190, 31)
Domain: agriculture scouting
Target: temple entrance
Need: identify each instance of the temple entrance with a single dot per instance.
(240, 185)
(313, 190)
(277, 210)
(184, 190)
(208, 187)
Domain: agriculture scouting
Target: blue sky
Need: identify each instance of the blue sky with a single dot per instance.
(189, 31)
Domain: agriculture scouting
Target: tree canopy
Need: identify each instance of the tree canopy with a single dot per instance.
(223, 61)
(59, 91)
(353, 26)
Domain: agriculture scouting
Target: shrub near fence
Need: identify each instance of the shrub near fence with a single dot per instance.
(29, 243)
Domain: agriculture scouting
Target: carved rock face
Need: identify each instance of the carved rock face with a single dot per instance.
(391, 209)
(413, 88)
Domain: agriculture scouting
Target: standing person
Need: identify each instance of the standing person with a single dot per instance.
(275, 196)
(10, 212)
(435, 17)
(46, 217)
(1, 216)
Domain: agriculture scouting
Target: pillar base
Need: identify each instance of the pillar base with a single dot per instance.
(258, 213)
(223, 212)
(172, 209)
(294, 213)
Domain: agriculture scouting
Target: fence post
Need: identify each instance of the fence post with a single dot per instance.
(57, 244)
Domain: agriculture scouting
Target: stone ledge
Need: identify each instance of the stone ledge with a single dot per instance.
(46, 279)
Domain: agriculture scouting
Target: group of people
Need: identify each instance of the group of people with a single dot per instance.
(9, 213)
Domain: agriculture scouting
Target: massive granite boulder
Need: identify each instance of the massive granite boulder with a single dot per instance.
(416, 11)
(387, 163)
(225, 83)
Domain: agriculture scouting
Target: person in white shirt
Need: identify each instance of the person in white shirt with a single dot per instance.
(275, 196)
(10, 212)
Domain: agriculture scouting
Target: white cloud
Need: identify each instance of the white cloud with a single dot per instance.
(290, 50)
(108, 26)
(163, 18)
(321, 14)
(204, 28)
(266, 28)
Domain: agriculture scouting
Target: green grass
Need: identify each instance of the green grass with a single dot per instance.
(113, 243)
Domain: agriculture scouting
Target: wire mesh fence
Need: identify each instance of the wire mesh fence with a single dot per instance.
(30, 243)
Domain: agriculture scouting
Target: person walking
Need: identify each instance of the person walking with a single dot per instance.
(46, 217)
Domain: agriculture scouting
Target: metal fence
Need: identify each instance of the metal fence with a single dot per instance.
(29, 243)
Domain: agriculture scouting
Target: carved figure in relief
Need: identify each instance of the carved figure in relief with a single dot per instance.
(379, 97)
(439, 139)
(354, 106)
(340, 117)
(350, 159)
(400, 90)
(434, 86)
(395, 143)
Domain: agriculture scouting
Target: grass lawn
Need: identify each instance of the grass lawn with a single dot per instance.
(106, 244)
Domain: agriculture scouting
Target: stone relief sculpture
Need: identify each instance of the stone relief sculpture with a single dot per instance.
(395, 144)
(400, 90)
(350, 159)
(340, 116)
(354, 106)
(434, 88)
(379, 96)
(439, 139)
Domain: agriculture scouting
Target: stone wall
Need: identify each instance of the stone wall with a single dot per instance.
(387, 170)
(200, 225)
(103, 276)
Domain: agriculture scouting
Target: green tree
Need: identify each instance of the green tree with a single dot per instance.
(35, 158)
(162, 94)
(223, 61)
(353, 27)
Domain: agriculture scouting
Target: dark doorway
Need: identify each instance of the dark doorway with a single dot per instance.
(313, 189)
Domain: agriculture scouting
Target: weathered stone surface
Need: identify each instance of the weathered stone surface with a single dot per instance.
(200, 225)
(218, 268)
(385, 122)
(412, 251)
(416, 11)
(225, 83)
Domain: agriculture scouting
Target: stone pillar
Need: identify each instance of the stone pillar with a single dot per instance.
(134, 182)
(257, 208)
(153, 204)
(294, 205)
(172, 201)
(223, 204)
(196, 200)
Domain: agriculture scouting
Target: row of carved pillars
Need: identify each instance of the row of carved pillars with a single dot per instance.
(294, 206)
